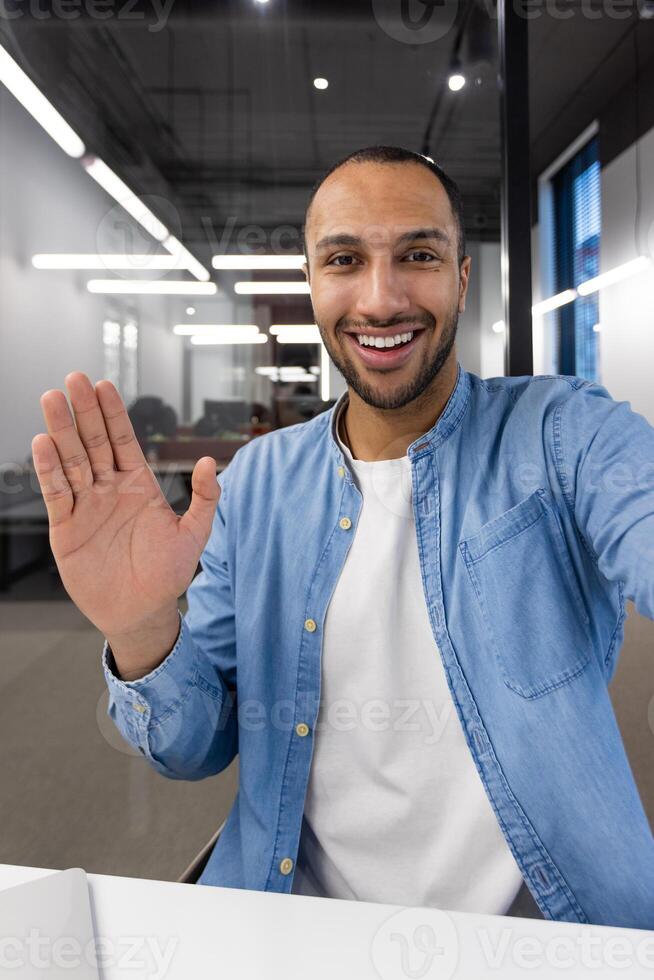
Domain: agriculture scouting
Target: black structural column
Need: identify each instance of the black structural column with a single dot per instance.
(516, 209)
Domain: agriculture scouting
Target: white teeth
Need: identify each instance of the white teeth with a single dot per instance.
(400, 338)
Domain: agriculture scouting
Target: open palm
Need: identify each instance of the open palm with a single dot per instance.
(122, 552)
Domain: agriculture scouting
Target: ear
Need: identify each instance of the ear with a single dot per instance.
(305, 270)
(464, 277)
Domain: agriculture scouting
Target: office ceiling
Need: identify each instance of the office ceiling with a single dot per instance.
(216, 113)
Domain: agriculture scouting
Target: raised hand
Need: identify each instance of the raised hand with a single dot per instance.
(124, 556)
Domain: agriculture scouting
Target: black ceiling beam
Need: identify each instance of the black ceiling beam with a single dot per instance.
(516, 188)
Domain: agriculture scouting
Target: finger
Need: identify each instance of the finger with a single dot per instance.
(127, 453)
(90, 422)
(206, 492)
(72, 454)
(56, 489)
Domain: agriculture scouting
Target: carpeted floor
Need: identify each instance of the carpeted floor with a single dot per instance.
(73, 793)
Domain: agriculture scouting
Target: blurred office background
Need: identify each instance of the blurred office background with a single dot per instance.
(135, 245)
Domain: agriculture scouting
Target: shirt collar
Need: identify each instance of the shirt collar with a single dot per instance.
(445, 424)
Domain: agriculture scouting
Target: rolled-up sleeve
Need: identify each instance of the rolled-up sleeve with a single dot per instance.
(182, 716)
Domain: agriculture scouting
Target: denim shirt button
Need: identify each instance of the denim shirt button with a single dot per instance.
(286, 866)
(310, 625)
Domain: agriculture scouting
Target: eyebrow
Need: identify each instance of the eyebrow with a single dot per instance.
(416, 234)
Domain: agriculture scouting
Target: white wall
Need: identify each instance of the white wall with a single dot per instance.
(490, 310)
(49, 323)
(160, 350)
(468, 337)
(627, 308)
(479, 349)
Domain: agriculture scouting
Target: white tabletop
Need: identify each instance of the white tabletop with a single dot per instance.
(163, 930)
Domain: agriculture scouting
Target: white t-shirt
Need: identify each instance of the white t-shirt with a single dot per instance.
(395, 809)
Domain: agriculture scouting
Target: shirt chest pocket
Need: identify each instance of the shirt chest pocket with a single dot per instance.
(530, 601)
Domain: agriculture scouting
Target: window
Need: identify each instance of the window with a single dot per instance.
(577, 220)
(121, 357)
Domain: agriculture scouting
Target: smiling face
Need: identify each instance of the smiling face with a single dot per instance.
(381, 244)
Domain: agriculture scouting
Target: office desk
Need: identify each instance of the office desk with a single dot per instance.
(189, 932)
(31, 517)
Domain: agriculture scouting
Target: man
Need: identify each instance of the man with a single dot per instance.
(409, 607)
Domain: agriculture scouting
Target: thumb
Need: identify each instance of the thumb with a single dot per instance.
(198, 518)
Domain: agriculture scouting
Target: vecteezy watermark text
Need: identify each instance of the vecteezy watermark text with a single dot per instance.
(146, 954)
(425, 21)
(154, 13)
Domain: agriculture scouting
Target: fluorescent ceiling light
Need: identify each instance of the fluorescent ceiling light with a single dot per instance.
(277, 328)
(242, 329)
(291, 374)
(116, 188)
(320, 83)
(258, 261)
(29, 96)
(189, 261)
(299, 336)
(201, 339)
(270, 370)
(614, 275)
(149, 286)
(553, 303)
(250, 287)
(114, 263)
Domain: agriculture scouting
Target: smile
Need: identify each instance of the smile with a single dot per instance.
(387, 352)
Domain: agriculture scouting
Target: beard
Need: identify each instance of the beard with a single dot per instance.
(412, 389)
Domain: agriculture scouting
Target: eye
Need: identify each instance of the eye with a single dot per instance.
(349, 260)
(422, 256)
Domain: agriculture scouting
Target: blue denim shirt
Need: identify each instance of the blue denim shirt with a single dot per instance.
(534, 511)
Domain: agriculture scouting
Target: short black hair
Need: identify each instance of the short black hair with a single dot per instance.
(398, 154)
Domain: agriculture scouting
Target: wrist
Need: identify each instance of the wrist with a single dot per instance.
(140, 650)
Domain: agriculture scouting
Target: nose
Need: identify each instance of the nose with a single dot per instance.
(381, 292)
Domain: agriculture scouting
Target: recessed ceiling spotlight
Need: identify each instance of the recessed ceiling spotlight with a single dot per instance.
(190, 311)
(320, 83)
